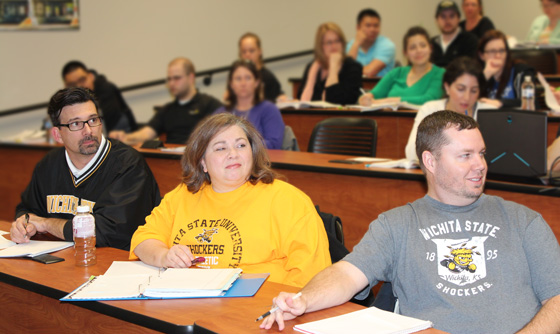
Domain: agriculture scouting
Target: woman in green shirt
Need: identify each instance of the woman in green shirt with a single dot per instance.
(417, 83)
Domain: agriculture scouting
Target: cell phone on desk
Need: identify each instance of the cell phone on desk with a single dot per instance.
(350, 162)
(47, 258)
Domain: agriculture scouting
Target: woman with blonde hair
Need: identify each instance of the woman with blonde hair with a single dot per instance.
(332, 76)
(250, 49)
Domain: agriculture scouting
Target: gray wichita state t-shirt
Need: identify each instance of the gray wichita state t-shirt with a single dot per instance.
(481, 268)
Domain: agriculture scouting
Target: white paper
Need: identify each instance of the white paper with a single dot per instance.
(549, 97)
(370, 320)
(5, 243)
(400, 163)
(34, 248)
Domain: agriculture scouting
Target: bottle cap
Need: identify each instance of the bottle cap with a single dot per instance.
(83, 209)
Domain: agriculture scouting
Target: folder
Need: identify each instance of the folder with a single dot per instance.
(135, 280)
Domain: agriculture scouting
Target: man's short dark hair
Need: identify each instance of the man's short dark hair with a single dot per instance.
(430, 135)
(71, 66)
(68, 97)
(368, 12)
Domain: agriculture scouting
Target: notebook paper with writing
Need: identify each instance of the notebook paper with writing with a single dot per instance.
(31, 248)
(136, 280)
(370, 320)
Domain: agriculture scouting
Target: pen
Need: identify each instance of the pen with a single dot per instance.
(275, 308)
(198, 260)
(26, 223)
(363, 91)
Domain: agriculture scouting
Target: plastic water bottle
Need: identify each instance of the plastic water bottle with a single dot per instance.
(528, 94)
(83, 226)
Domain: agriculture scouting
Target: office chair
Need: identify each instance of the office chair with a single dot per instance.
(290, 141)
(344, 135)
(542, 60)
(337, 250)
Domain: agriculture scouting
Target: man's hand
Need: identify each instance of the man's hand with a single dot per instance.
(178, 256)
(21, 231)
(360, 37)
(118, 134)
(288, 308)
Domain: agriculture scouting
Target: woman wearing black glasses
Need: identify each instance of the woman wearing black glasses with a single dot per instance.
(503, 74)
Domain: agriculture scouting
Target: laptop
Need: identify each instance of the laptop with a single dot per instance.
(516, 142)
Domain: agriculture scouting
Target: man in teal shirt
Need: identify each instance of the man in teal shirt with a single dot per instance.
(375, 52)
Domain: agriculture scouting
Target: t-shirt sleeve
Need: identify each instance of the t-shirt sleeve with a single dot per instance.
(159, 223)
(543, 257)
(273, 126)
(307, 251)
(386, 52)
(374, 254)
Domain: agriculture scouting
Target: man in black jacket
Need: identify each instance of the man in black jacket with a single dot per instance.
(116, 113)
(108, 176)
(452, 43)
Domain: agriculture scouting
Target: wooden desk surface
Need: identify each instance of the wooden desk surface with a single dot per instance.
(22, 278)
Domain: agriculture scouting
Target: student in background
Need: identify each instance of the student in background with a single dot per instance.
(250, 49)
(463, 82)
(416, 83)
(176, 119)
(331, 76)
(545, 28)
(231, 210)
(112, 106)
(452, 43)
(111, 178)
(504, 76)
(375, 52)
(245, 100)
(474, 21)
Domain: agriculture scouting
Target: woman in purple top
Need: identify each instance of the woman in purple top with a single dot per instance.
(245, 99)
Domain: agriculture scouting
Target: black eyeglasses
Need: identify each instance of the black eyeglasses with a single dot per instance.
(78, 125)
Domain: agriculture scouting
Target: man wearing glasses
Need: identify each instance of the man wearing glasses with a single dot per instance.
(176, 119)
(116, 113)
(108, 176)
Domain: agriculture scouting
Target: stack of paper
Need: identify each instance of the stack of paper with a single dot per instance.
(400, 163)
(370, 320)
(381, 105)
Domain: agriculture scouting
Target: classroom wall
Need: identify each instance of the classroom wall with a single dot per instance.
(133, 41)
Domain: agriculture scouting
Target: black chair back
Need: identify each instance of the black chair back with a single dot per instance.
(345, 135)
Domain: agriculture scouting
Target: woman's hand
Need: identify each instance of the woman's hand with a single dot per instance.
(366, 100)
(493, 67)
(178, 256)
(335, 63)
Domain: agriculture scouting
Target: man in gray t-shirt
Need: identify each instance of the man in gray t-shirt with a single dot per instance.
(468, 262)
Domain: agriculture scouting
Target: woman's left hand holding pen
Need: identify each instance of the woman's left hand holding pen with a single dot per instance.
(289, 307)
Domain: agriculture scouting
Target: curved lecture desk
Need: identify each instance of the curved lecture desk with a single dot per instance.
(353, 192)
(393, 127)
(30, 293)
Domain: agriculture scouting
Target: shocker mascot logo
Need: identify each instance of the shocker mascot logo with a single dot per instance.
(206, 235)
(461, 261)
(461, 258)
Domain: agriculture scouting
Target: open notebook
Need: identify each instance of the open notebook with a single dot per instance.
(136, 280)
(370, 320)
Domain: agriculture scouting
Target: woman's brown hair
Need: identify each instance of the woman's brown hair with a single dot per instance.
(194, 176)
